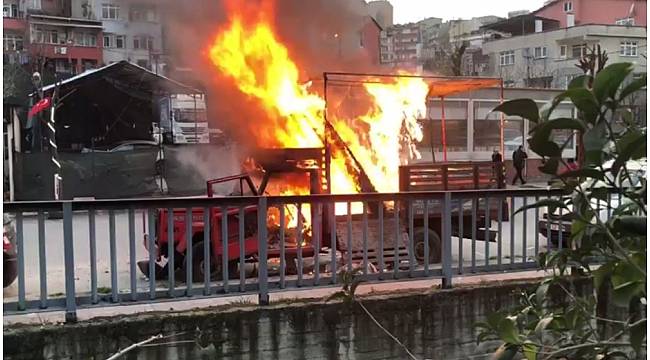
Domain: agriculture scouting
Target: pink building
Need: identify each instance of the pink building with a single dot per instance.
(370, 39)
(606, 12)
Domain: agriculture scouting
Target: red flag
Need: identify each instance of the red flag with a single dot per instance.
(40, 106)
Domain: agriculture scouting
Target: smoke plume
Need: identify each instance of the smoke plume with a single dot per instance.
(321, 35)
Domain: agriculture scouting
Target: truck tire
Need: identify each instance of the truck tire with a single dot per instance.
(198, 274)
(435, 246)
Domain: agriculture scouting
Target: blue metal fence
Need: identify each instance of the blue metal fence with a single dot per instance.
(387, 236)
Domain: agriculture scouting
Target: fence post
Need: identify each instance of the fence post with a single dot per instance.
(68, 250)
(446, 241)
(262, 278)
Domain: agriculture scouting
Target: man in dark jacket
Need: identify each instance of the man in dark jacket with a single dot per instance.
(518, 161)
(497, 168)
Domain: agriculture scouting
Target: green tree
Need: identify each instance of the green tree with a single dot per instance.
(576, 326)
(17, 83)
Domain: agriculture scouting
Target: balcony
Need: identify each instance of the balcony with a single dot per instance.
(16, 24)
(64, 51)
(15, 57)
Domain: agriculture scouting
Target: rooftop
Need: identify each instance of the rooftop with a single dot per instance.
(522, 24)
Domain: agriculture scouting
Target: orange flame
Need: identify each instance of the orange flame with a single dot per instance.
(248, 52)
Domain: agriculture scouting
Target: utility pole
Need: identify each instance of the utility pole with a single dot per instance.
(338, 37)
(58, 180)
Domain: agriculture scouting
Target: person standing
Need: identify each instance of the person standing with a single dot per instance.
(497, 168)
(496, 156)
(518, 161)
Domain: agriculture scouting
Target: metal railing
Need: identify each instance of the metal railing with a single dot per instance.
(87, 255)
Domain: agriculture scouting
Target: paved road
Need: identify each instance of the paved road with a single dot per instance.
(55, 263)
(54, 253)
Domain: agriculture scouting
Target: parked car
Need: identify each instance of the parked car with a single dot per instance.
(554, 224)
(131, 145)
(10, 267)
(512, 145)
(128, 145)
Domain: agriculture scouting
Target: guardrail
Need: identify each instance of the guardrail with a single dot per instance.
(94, 246)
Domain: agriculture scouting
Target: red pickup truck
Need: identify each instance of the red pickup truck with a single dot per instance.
(246, 187)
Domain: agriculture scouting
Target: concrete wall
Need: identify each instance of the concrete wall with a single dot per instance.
(434, 325)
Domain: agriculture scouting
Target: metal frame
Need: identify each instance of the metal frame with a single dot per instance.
(327, 77)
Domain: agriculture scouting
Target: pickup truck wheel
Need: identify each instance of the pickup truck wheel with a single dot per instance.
(435, 254)
(198, 274)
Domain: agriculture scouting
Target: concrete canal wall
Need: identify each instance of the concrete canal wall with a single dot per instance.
(436, 324)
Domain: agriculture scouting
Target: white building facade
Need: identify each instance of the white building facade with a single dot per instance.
(131, 30)
(548, 59)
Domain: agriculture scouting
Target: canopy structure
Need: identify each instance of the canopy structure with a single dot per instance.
(124, 74)
(103, 106)
(439, 87)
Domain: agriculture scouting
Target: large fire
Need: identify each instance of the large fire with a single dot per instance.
(248, 51)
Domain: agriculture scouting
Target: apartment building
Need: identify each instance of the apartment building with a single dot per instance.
(581, 12)
(131, 30)
(468, 30)
(547, 59)
(42, 36)
(401, 45)
(382, 12)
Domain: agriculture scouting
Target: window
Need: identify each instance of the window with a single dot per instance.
(455, 126)
(136, 14)
(120, 40)
(46, 36)
(540, 52)
(487, 134)
(110, 11)
(143, 42)
(10, 10)
(108, 41)
(34, 4)
(561, 137)
(629, 48)
(578, 51)
(143, 13)
(507, 58)
(62, 66)
(12, 42)
(563, 51)
(85, 39)
(88, 64)
(626, 21)
(568, 79)
(568, 6)
(52, 37)
(151, 15)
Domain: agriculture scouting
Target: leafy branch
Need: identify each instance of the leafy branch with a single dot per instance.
(571, 326)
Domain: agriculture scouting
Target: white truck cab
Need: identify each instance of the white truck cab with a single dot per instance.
(184, 120)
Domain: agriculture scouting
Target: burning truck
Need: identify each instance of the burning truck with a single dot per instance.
(311, 141)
